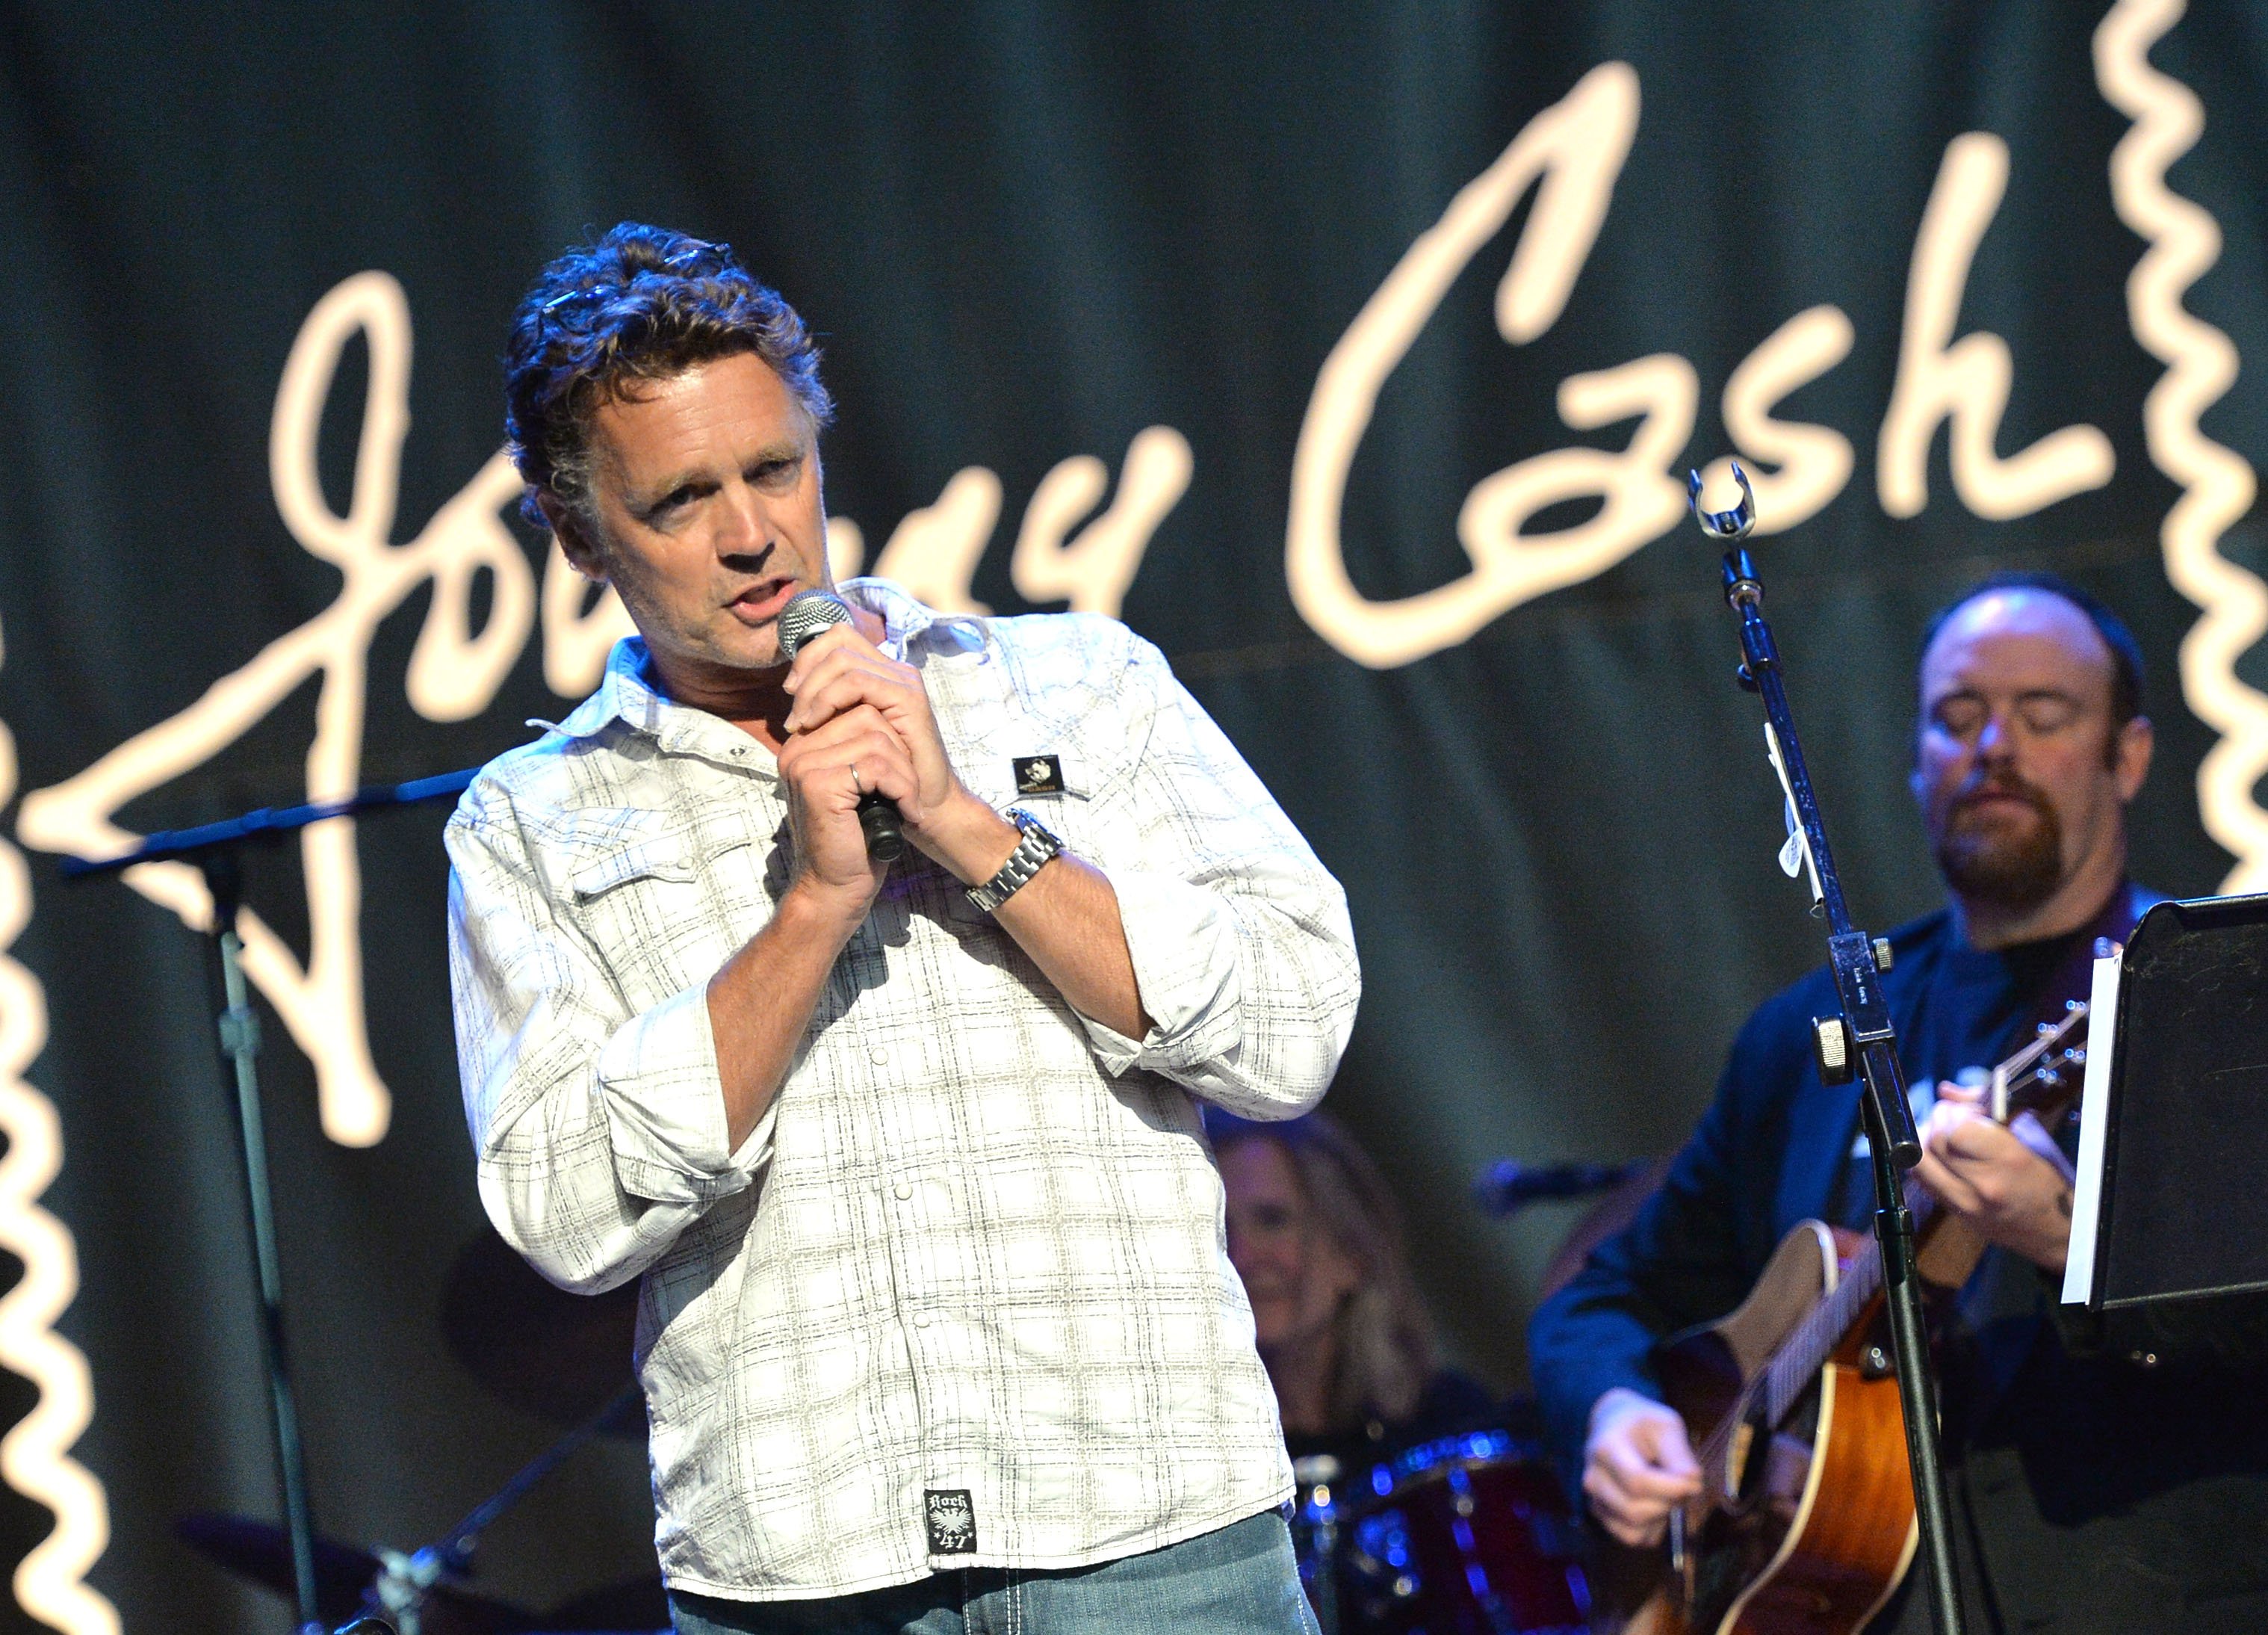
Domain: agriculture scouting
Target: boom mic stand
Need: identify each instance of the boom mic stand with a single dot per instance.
(1862, 1033)
(216, 849)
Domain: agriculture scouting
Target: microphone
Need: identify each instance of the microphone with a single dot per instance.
(1507, 1186)
(808, 612)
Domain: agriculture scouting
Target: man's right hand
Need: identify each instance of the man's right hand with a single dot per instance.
(1638, 1466)
(828, 770)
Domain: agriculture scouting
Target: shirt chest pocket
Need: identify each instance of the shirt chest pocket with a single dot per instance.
(663, 903)
(1053, 784)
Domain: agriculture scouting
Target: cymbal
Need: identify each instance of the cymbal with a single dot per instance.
(259, 1550)
(558, 1356)
(262, 1552)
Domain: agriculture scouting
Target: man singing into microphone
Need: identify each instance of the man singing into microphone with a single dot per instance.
(938, 1330)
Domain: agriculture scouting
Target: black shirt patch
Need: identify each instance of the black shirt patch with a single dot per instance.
(951, 1521)
(1038, 774)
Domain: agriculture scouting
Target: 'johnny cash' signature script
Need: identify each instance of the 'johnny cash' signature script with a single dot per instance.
(455, 670)
(1569, 156)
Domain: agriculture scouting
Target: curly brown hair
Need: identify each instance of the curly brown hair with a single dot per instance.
(641, 303)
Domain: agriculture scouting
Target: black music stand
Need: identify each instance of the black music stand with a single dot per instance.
(2174, 1130)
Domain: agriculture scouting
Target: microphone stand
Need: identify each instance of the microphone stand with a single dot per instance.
(216, 849)
(1861, 1033)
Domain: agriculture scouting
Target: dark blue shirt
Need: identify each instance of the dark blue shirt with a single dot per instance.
(2077, 1452)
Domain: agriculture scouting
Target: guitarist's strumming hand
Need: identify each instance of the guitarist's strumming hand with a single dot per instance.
(2010, 1182)
(1637, 1465)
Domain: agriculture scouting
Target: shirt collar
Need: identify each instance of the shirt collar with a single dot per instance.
(626, 693)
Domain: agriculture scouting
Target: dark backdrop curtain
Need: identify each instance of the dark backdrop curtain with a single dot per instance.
(1025, 233)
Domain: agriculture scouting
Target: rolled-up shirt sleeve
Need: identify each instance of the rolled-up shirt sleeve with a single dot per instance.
(600, 1133)
(1242, 949)
(666, 1109)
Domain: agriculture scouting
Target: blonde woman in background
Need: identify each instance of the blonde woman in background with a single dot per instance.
(1348, 1343)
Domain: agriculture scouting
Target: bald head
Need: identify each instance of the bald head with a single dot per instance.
(2024, 766)
(2064, 642)
(2123, 652)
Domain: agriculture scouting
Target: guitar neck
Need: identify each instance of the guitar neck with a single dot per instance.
(1795, 1366)
(2042, 1079)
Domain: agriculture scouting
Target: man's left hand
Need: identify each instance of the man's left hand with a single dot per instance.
(840, 671)
(1998, 1177)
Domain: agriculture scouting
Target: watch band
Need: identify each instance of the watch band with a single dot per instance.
(1033, 850)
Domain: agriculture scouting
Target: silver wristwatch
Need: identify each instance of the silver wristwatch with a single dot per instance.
(1037, 845)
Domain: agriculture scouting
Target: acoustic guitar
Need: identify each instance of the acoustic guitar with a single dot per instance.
(1805, 1523)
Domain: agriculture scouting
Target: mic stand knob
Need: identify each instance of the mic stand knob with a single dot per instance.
(402, 1587)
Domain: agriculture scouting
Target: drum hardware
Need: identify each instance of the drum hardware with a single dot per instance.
(1316, 1524)
(1508, 1186)
(419, 1593)
(1465, 1533)
(259, 1552)
(553, 1355)
(406, 1583)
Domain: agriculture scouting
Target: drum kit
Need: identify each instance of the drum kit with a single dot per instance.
(1467, 1534)
(1470, 1534)
(1464, 1535)
(562, 1358)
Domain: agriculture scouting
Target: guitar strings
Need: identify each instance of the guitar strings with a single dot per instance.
(1838, 1311)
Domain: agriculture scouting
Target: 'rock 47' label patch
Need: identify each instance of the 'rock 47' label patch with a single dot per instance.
(951, 1521)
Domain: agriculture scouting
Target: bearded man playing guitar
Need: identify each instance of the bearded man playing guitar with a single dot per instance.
(2111, 1479)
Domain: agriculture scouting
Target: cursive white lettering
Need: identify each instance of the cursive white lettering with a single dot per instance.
(1795, 470)
(1967, 381)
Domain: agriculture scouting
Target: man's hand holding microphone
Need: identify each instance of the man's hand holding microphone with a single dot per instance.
(865, 765)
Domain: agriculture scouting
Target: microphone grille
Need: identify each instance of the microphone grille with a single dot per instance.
(808, 612)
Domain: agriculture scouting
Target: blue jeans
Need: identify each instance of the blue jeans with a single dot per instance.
(1240, 1580)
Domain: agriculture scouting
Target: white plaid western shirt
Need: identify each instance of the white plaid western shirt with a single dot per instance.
(963, 1297)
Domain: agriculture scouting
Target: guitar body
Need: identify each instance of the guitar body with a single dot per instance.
(1801, 1531)
(1805, 1523)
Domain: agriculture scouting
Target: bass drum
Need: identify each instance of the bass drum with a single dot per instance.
(1465, 1535)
